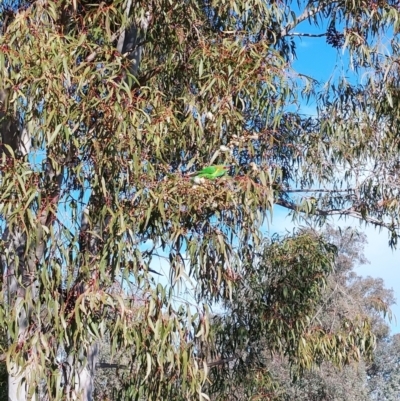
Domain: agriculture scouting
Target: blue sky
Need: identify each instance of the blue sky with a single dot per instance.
(315, 58)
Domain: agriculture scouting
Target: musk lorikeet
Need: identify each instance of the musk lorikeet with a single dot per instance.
(212, 172)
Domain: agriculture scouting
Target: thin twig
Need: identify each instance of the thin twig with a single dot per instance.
(319, 190)
(309, 35)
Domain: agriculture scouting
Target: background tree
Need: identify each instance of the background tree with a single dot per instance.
(348, 297)
(311, 315)
(120, 100)
(384, 372)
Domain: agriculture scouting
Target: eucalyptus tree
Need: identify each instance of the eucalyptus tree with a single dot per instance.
(329, 309)
(108, 107)
(384, 372)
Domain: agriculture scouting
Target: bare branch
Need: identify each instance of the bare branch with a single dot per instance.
(309, 35)
(307, 13)
(328, 191)
(350, 212)
(105, 365)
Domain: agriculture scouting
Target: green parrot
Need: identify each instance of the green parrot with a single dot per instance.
(212, 172)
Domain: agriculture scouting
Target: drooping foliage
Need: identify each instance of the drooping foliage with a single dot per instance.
(330, 307)
(295, 314)
(100, 190)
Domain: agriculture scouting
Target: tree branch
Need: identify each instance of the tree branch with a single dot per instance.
(350, 212)
(307, 13)
(309, 35)
(328, 191)
(105, 365)
(92, 55)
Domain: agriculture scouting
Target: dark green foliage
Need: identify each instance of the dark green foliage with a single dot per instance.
(276, 314)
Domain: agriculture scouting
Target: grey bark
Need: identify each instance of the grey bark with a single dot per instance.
(79, 374)
(131, 40)
(13, 135)
(19, 265)
(14, 263)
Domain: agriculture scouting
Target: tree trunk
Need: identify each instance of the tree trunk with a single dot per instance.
(79, 374)
(20, 267)
(13, 264)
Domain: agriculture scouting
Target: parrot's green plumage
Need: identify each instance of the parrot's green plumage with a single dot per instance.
(212, 172)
